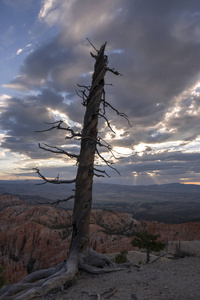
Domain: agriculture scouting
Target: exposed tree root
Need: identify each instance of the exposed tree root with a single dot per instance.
(39, 283)
(161, 255)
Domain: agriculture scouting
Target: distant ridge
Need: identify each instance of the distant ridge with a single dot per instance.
(169, 203)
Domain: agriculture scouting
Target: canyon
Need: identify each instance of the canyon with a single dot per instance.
(38, 236)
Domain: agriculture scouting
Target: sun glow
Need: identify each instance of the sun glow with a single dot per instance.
(140, 148)
(57, 115)
(154, 176)
(122, 151)
(135, 176)
(192, 182)
(150, 177)
(170, 146)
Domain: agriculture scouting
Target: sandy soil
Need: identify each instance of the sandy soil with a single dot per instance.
(165, 279)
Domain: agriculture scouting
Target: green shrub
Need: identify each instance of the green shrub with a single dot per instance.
(2, 281)
(2, 277)
(121, 257)
(30, 265)
(14, 257)
(179, 253)
(146, 240)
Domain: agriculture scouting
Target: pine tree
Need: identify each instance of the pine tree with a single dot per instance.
(148, 241)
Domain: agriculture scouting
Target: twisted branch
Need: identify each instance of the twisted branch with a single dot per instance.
(108, 123)
(106, 145)
(84, 96)
(54, 181)
(57, 201)
(92, 45)
(106, 104)
(113, 71)
(101, 171)
(108, 163)
(53, 127)
(58, 151)
(57, 125)
(87, 87)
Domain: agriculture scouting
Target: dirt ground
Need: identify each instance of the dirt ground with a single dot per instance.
(165, 279)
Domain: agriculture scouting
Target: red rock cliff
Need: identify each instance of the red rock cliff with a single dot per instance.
(35, 237)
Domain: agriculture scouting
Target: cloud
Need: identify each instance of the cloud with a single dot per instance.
(157, 169)
(22, 117)
(49, 12)
(53, 65)
(17, 84)
(19, 51)
(22, 49)
(79, 18)
(4, 97)
(154, 44)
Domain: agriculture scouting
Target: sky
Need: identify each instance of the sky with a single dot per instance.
(44, 54)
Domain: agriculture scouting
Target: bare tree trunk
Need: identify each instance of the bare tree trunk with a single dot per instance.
(84, 179)
(148, 255)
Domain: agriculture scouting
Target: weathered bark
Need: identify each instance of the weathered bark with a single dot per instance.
(84, 179)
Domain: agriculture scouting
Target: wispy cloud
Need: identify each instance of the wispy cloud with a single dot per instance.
(8, 37)
(19, 51)
(22, 49)
(49, 12)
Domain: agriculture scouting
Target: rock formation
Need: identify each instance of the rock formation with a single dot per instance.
(32, 235)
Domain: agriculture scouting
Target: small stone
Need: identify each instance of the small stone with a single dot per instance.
(133, 297)
(166, 287)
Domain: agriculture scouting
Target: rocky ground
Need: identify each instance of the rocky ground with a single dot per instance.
(165, 279)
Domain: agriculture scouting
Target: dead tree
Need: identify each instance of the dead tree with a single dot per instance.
(81, 255)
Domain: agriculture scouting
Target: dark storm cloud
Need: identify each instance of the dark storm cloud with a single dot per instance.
(21, 118)
(158, 168)
(158, 62)
(51, 65)
(168, 156)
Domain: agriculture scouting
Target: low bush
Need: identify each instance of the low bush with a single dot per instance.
(179, 253)
(121, 257)
(2, 278)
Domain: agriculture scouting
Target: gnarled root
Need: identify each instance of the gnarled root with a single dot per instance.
(97, 263)
(39, 283)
